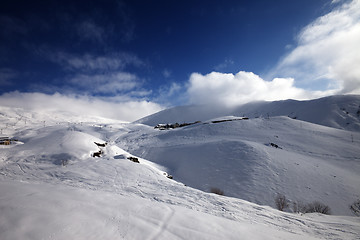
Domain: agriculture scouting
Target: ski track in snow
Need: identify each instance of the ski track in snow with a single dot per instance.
(163, 224)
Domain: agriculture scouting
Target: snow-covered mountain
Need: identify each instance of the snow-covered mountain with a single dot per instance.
(53, 188)
(341, 112)
(257, 158)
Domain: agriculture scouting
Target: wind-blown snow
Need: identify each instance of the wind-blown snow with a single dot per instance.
(52, 188)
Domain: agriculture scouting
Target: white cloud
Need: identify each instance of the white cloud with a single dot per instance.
(231, 90)
(335, 1)
(82, 105)
(326, 58)
(97, 74)
(171, 94)
(111, 83)
(222, 66)
(90, 63)
(328, 52)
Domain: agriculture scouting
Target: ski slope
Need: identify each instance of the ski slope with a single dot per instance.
(52, 188)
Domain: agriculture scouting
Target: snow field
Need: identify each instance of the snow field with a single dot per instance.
(52, 188)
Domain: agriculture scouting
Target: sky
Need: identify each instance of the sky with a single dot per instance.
(127, 59)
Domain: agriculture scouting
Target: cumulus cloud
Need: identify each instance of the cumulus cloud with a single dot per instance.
(324, 61)
(82, 105)
(327, 52)
(231, 90)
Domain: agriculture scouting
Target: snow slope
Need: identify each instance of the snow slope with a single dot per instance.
(312, 163)
(52, 188)
(341, 112)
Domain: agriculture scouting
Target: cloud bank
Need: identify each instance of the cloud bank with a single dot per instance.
(328, 52)
(231, 90)
(81, 105)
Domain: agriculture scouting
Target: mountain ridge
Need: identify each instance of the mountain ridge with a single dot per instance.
(339, 111)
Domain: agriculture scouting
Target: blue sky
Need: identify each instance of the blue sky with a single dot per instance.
(165, 53)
